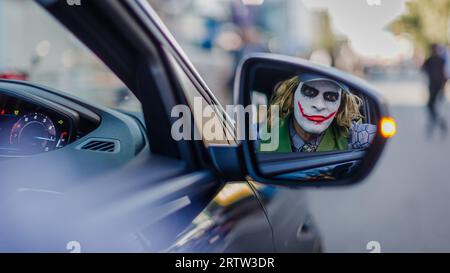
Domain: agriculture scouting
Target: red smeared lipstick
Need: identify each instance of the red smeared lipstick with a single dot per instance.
(316, 118)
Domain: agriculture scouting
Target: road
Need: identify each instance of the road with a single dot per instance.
(405, 203)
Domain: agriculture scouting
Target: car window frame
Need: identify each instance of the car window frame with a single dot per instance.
(169, 43)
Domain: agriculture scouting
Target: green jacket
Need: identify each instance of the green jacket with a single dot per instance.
(334, 139)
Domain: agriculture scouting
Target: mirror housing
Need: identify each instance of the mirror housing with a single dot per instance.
(321, 168)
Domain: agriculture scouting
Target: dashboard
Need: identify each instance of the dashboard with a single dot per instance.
(28, 127)
(37, 120)
(51, 140)
(54, 144)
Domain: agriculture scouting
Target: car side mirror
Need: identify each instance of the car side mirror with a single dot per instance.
(305, 124)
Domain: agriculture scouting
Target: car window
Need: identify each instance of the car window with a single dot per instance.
(194, 25)
(202, 111)
(35, 47)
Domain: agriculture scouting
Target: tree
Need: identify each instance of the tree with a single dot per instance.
(426, 21)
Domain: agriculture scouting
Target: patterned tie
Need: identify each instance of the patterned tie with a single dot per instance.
(308, 148)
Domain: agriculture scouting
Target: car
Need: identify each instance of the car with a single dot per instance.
(79, 176)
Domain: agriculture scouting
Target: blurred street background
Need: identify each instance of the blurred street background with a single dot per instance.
(405, 203)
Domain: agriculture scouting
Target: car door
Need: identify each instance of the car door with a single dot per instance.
(293, 225)
(171, 192)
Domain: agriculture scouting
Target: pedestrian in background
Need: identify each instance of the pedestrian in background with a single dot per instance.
(434, 68)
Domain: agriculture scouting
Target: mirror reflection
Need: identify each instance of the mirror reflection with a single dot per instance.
(313, 113)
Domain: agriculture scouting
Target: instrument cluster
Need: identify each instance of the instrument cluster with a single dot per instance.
(27, 127)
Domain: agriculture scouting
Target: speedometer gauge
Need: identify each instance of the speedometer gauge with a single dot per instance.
(34, 133)
(30, 126)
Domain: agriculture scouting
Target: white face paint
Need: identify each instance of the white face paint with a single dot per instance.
(316, 104)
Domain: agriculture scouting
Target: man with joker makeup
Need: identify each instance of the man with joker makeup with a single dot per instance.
(318, 114)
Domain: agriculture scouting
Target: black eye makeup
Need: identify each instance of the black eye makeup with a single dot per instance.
(309, 91)
(331, 96)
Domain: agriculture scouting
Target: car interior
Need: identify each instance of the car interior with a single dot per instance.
(37, 120)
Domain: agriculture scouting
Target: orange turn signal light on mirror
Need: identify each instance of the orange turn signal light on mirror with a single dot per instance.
(388, 127)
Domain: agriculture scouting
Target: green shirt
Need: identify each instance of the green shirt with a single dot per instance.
(334, 139)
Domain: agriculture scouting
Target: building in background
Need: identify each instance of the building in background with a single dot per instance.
(217, 34)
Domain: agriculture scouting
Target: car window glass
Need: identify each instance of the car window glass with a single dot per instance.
(35, 47)
(210, 127)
